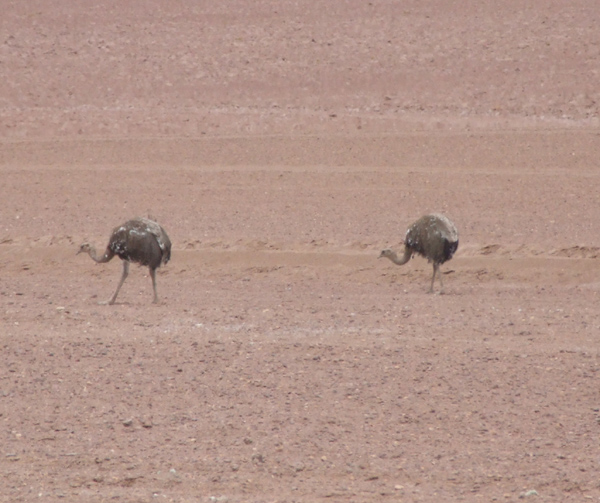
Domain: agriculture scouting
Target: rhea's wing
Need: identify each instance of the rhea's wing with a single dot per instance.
(448, 237)
(417, 236)
(434, 237)
(161, 237)
(445, 227)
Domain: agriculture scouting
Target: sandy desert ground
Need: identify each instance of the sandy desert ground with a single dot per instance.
(282, 145)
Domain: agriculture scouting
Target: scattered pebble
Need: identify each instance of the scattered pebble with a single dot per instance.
(526, 494)
(259, 458)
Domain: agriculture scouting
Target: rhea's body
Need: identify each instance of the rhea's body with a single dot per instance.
(434, 237)
(139, 240)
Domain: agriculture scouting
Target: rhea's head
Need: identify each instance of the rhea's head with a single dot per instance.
(84, 248)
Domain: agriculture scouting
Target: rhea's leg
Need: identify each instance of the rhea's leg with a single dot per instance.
(123, 277)
(441, 282)
(436, 268)
(432, 280)
(436, 271)
(153, 276)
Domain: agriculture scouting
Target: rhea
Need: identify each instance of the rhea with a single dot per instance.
(434, 237)
(139, 240)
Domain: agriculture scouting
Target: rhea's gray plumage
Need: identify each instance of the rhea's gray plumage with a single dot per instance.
(139, 240)
(434, 237)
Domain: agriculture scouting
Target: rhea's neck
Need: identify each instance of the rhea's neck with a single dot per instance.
(405, 258)
(104, 258)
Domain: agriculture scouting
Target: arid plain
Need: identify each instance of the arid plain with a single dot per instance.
(282, 145)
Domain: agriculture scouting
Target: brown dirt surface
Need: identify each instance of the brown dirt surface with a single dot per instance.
(283, 144)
